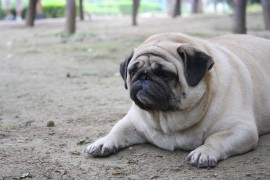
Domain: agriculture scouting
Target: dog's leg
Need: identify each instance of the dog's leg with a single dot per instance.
(237, 140)
(122, 135)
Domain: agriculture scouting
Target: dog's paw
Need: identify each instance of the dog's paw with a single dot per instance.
(203, 156)
(102, 147)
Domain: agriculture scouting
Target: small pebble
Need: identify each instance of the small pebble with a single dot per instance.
(50, 124)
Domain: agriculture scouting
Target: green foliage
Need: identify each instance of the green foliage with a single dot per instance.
(149, 7)
(254, 1)
(104, 7)
(51, 8)
(254, 8)
(230, 2)
(118, 7)
(54, 11)
(13, 11)
(58, 3)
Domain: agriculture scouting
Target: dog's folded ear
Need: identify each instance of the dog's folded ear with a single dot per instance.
(196, 63)
(123, 68)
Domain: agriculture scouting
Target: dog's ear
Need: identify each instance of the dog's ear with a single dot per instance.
(123, 68)
(196, 64)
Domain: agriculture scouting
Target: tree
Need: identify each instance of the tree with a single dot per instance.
(215, 4)
(135, 7)
(174, 7)
(0, 10)
(70, 16)
(197, 6)
(239, 17)
(31, 13)
(177, 8)
(81, 10)
(266, 13)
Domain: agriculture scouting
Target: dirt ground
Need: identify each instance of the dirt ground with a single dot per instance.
(74, 82)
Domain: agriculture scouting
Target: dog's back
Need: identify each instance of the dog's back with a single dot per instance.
(246, 45)
(254, 53)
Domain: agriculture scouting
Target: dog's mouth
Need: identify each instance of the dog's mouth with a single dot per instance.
(146, 100)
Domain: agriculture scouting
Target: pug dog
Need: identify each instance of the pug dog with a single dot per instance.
(207, 96)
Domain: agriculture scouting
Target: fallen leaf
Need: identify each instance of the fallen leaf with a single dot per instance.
(61, 171)
(22, 140)
(26, 175)
(116, 173)
(50, 124)
(81, 142)
(4, 128)
(154, 177)
(76, 153)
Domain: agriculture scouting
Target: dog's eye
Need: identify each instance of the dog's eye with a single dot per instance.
(132, 72)
(165, 75)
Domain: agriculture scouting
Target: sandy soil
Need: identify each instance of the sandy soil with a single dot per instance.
(74, 82)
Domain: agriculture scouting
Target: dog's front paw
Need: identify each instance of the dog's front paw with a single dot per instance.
(203, 156)
(102, 147)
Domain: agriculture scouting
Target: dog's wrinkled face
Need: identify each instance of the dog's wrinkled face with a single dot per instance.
(154, 82)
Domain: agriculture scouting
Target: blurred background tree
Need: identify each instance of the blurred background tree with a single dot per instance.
(266, 13)
(239, 16)
(173, 8)
(56, 9)
(197, 6)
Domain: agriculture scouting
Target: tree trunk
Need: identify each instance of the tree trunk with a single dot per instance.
(81, 10)
(0, 10)
(31, 13)
(197, 6)
(174, 8)
(215, 5)
(266, 13)
(239, 17)
(136, 4)
(70, 16)
(177, 8)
